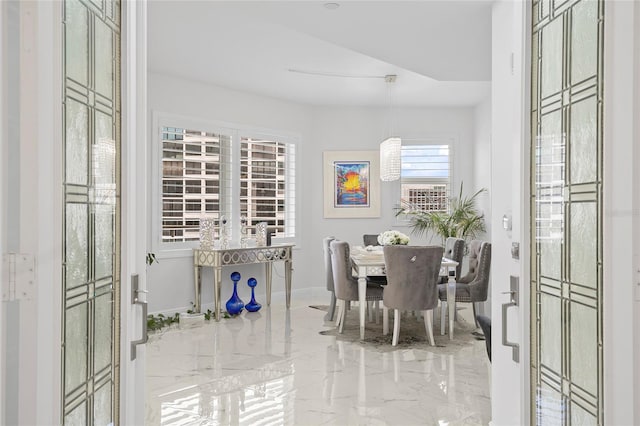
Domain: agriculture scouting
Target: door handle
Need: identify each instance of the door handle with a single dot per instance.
(136, 301)
(515, 347)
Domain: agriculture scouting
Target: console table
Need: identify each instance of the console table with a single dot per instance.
(217, 258)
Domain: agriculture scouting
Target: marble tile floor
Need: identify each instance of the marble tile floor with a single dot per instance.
(273, 368)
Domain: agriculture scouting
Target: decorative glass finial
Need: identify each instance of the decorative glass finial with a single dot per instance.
(253, 306)
(235, 304)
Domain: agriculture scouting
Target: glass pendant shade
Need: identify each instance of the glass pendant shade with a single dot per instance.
(390, 159)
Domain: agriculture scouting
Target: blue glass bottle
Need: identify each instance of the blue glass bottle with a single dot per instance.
(235, 304)
(253, 306)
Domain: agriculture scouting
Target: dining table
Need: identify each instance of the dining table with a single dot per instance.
(369, 260)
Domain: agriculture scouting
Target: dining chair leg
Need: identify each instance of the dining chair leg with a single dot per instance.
(343, 319)
(332, 308)
(385, 320)
(377, 309)
(475, 314)
(396, 326)
(428, 324)
(340, 309)
(370, 310)
(443, 311)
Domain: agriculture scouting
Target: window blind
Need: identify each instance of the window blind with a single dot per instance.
(267, 184)
(196, 182)
(425, 177)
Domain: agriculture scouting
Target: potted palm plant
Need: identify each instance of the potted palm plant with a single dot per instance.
(462, 220)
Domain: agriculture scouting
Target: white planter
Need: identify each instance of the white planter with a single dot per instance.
(191, 320)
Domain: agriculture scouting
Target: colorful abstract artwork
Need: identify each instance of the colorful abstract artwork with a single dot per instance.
(351, 184)
(351, 188)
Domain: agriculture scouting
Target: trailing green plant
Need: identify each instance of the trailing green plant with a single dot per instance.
(159, 321)
(156, 322)
(151, 258)
(207, 315)
(462, 220)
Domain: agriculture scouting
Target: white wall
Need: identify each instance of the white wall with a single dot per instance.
(170, 282)
(320, 129)
(482, 173)
(482, 157)
(363, 129)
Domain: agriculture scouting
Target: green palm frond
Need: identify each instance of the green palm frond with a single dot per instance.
(463, 220)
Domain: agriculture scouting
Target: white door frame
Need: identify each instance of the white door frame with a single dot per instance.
(621, 281)
(32, 209)
(134, 213)
(509, 195)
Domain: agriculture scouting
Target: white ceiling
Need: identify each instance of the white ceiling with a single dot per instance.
(440, 50)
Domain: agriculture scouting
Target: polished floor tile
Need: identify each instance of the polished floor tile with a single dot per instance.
(273, 368)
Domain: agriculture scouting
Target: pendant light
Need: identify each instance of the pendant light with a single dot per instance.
(391, 147)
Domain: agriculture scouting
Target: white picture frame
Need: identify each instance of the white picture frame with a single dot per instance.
(351, 184)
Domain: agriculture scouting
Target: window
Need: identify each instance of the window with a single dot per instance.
(191, 182)
(208, 175)
(425, 177)
(263, 183)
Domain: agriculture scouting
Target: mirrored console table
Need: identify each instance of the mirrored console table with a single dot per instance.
(217, 258)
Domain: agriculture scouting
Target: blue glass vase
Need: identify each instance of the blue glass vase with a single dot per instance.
(253, 306)
(235, 304)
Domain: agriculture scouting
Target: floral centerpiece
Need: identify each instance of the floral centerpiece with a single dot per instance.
(389, 238)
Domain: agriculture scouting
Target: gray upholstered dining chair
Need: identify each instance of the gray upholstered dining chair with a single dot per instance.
(474, 286)
(328, 272)
(454, 250)
(370, 240)
(344, 283)
(412, 284)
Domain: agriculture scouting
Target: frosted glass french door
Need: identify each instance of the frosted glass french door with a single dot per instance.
(91, 123)
(566, 212)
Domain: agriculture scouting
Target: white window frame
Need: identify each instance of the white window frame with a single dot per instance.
(236, 131)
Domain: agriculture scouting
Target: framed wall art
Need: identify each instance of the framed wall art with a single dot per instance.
(351, 184)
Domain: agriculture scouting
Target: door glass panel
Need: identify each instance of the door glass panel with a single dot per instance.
(77, 417)
(91, 144)
(76, 335)
(549, 194)
(550, 406)
(584, 261)
(76, 42)
(583, 141)
(545, 7)
(104, 152)
(102, 406)
(584, 40)
(566, 276)
(104, 241)
(109, 9)
(77, 145)
(104, 59)
(584, 351)
(550, 332)
(551, 72)
(103, 331)
(534, 74)
(579, 416)
(76, 244)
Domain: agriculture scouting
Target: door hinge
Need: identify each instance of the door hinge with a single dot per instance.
(18, 276)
